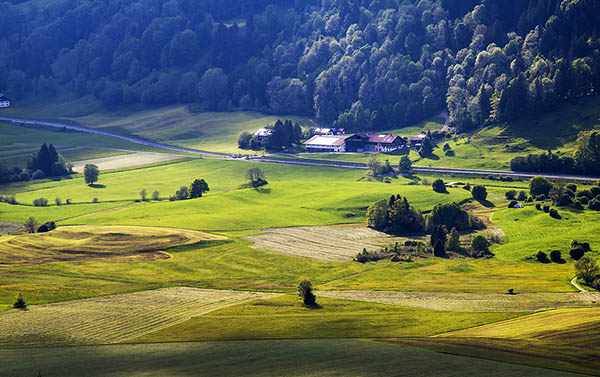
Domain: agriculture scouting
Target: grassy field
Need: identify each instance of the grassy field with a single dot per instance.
(284, 317)
(112, 319)
(76, 243)
(565, 339)
(336, 357)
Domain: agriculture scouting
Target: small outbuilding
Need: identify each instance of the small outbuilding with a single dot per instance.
(4, 101)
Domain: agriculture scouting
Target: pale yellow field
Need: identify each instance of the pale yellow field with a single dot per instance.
(129, 243)
(112, 319)
(474, 302)
(126, 161)
(329, 243)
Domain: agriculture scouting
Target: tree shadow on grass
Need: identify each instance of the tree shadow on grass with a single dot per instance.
(263, 190)
(486, 203)
(97, 186)
(431, 156)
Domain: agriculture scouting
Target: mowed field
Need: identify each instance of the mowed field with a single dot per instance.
(112, 319)
(125, 161)
(332, 243)
(124, 243)
(474, 302)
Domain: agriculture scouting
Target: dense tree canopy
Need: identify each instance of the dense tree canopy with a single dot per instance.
(361, 64)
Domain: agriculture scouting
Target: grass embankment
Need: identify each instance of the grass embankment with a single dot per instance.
(336, 357)
(122, 243)
(284, 317)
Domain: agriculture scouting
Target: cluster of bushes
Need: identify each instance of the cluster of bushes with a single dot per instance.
(513, 195)
(555, 256)
(256, 177)
(369, 256)
(32, 226)
(578, 249)
(564, 195)
(381, 169)
(10, 199)
(144, 195)
(395, 216)
(553, 212)
(46, 162)
(196, 190)
(282, 135)
(40, 202)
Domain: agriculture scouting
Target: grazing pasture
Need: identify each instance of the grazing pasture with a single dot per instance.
(332, 243)
(76, 243)
(112, 319)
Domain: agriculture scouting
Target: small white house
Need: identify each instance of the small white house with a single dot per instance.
(4, 102)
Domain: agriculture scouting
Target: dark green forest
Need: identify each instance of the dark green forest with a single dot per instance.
(359, 64)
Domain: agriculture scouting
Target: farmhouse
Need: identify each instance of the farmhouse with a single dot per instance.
(263, 133)
(4, 102)
(326, 143)
(374, 143)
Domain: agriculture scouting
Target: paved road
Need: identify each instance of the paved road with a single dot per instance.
(305, 162)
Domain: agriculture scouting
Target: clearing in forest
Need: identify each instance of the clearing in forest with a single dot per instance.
(112, 319)
(473, 302)
(122, 243)
(328, 243)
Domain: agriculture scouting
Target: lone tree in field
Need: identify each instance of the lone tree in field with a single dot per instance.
(405, 165)
(480, 245)
(256, 177)
(479, 193)
(305, 291)
(143, 195)
(155, 195)
(31, 225)
(197, 188)
(439, 186)
(91, 173)
(587, 269)
(20, 303)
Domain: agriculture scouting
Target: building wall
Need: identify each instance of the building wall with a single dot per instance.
(4, 103)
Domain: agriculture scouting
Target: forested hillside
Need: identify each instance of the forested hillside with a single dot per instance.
(362, 64)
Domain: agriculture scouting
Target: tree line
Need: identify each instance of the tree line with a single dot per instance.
(46, 162)
(359, 64)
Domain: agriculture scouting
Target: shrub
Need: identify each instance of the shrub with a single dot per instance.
(539, 186)
(58, 201)
(20, 303)
(479, 193)
(554, 214)
(522, 196)
(40, 202)
(541, 198)
(46, 227)
(155, 195)
(595, 190)
(143, 195)
(594, 205)
(542, 257)
(68, 201)
(576, 253)
(480, 245)
(584, 193)
(38, 174)
(439, 186)
(578, 205)
(512, 204)
(556, 256)
(24, 176)
(182, 193)
(572, 187)
(546, 208)
(467, 187)
(510, 194)
(538, 206)
(95, 200)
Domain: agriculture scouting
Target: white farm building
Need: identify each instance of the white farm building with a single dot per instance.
(326, 143)
(4, 102)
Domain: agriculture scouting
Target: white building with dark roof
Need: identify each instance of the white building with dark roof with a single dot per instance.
(326, 144)
(4, 101)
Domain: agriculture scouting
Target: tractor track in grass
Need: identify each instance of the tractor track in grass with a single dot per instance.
(302, 162)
